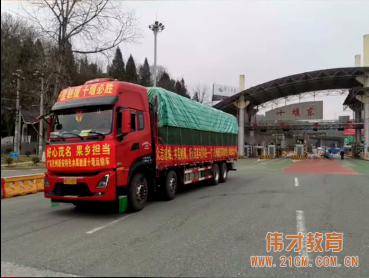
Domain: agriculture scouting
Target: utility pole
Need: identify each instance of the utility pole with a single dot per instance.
(17, 125)
(156, 28)
(41, 126)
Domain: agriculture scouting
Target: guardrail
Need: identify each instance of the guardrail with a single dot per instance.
(21, 185)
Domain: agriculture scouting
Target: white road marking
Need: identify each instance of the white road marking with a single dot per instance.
(15, 270)
(113, 222)
(300, 219)
(296, 182)
(107, 225)
(95, 230)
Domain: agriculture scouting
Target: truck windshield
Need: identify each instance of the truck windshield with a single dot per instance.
(82, 122)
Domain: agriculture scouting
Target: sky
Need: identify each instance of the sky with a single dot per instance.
(215, 41)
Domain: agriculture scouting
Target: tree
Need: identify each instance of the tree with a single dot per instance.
(117, 69)
(165, 82)
(181, 89)
(178, 88)
(145, 74)
(200, 93)
(83, 27)
(131, 71)
(159, 72)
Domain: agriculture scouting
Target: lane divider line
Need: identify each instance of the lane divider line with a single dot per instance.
(107, 225)
(300, 222)
(297, 182)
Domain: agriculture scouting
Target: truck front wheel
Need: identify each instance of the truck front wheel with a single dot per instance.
(223, 172)
(138, 191)
(170, 186)
(216, 174)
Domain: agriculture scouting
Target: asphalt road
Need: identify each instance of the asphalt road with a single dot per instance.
(21, 172)
(205, 231)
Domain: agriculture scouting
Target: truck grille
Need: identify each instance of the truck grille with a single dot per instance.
(79, 189)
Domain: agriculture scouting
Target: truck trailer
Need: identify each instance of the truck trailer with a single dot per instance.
(115, 142)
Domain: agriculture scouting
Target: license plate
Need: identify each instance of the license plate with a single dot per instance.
(70, 181)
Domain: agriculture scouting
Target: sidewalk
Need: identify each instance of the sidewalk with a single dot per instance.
(15, 163)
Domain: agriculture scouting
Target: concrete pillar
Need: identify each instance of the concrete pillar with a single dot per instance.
(241, 105)
(357, 111)
(251, 113)
(357, 118)
(366, 101)
(366, 126)
(366, 51)
(357, 61)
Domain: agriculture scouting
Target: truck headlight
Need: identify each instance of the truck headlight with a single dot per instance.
(46, 182)
(103, 182)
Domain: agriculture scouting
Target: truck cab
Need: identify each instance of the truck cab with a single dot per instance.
(99, 135)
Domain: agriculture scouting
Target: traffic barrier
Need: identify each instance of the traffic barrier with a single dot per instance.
(298, 157)
(2, 188)
(265, 156)
(23, 185)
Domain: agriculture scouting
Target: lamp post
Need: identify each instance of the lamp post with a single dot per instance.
(156, 28)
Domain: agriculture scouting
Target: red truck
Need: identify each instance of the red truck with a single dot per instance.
(115, 142)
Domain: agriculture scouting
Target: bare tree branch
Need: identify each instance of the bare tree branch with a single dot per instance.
(82, 27)
(200, 92)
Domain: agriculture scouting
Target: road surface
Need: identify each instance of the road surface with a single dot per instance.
(21, 172)
(205, 231)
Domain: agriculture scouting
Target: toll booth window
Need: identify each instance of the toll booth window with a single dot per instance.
(141, 123)
(133, 121)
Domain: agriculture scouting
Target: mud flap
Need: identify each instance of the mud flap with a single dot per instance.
(122, 203)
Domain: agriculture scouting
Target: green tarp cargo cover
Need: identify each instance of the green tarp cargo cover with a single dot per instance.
(177, 111)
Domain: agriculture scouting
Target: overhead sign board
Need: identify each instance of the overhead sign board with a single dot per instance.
(311, 110)
(221, 92)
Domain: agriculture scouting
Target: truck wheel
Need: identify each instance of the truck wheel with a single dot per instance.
(216, 174)
(171, 185)
(223, 172)
(138, 191)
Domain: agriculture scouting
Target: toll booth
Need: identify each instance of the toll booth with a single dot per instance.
(271, 151)
(279, 150)
(300, 152)
(258, 151)
(300, 149)
(248, 151)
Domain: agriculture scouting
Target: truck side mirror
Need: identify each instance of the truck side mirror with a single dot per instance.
(126, 121)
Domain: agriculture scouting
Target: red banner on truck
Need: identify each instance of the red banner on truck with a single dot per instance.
(86, 155)
(87, 91)
(179, 154)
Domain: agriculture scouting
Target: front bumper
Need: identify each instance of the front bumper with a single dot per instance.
(84, 190)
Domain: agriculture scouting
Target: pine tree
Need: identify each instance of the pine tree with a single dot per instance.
(178, 88)
(131, 71)
(117, 69)
(183, 90)
(165, 81)
(145, 74)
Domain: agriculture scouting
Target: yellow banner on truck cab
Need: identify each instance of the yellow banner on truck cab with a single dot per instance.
(88, 91)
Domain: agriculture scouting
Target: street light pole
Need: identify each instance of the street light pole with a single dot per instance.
(156, 28)
(155, 53)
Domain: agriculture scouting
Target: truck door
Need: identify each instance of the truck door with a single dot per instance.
(134, 146)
